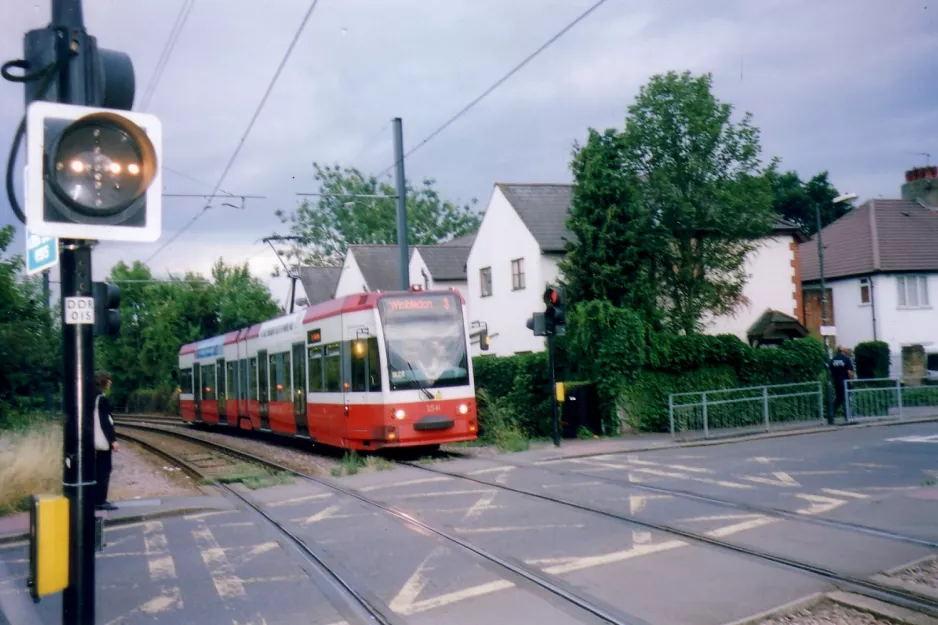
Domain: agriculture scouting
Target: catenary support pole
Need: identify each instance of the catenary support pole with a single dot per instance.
(820, 255)
(401, 203)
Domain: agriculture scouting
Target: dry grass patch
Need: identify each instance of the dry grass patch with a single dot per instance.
(30, 463)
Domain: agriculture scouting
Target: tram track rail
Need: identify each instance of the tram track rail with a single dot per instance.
(362, 607)
(873, 590)
(512, 569)
(845, 582)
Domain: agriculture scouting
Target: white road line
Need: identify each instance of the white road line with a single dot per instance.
(571, 485)
(740, 527)
(202, 515)
(494, 470)
(844, 493)
(819, 504)
(425, 480)
(322, 515)
(518, 528)
(781, 479)
(295, 500)
(720, 517)
(661, 473)
(227, 584)
(169, 599)
(159, 560)
(578, 564)
(406, 603)
(443, 493)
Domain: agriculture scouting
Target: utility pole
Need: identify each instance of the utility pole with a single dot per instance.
(401, 203)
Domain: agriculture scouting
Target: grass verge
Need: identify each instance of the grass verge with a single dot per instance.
(352, 463)
(251, 475)
(30, 464)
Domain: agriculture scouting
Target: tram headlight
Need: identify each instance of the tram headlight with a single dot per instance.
(463, 409)
(399, 414)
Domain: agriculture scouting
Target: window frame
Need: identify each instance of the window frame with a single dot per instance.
(866, 286)
(485, 279)
(920, 290)
(518, 277)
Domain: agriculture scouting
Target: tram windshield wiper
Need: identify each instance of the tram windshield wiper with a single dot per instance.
(420, 386)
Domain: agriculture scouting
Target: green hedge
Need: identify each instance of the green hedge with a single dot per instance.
(872, 359)
(635, 369)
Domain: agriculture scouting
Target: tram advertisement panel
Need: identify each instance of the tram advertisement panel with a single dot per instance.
(426, 342)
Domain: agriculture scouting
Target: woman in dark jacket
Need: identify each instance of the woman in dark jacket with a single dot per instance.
(105, 440)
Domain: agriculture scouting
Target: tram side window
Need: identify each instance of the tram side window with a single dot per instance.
(230, 387)
(334, 368)
(185, 380)
(359, 352)
(374, 366)
(208, 383)
(316, 370)
(252, 379)
(279, 384)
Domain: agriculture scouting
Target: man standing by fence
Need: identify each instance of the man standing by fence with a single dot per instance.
(841, 371)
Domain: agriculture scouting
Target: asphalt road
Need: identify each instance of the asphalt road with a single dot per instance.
(230, 568)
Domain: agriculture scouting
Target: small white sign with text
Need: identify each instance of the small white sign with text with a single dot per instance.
(79, 310)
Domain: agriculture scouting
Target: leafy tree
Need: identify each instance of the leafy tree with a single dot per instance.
(699, 179)
(796, 200)
(612, 256)
(327, 227)
(30, 347)
(158, 317)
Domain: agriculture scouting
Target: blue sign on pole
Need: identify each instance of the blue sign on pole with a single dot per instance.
(41, 252)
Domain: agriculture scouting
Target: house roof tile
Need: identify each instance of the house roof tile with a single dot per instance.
(543, 208)
(879, 235)
(319, 283)
(380, 265)
(445, 262)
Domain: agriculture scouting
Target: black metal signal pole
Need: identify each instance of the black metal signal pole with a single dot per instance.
(553, 387)
(77, 84)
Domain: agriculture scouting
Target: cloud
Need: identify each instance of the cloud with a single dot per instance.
(845, 85)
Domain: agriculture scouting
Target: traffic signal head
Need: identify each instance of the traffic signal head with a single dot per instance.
(94, 173)
(107, 317)
(537, 324)
(485, 340)
(556, 306)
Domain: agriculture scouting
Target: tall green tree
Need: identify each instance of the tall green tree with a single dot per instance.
(700, 179)
(797, 200)
(612, 255)
(30, 346)
(159, 316)
(328, 226)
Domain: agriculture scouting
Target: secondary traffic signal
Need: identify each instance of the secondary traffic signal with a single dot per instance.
(107, 317)
(537, 324)
(556, 310)
(94, 172)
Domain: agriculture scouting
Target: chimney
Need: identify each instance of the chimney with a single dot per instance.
(921, 184)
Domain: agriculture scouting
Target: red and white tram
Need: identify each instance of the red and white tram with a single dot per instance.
(364, 372)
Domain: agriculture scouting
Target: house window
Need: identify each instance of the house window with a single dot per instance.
(485, 277)
(913, 291)
(864, 291)
(517, 274)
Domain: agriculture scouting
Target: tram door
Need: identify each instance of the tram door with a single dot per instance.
(197, 390)
(263, 396)
(221, 386)
(299, 389)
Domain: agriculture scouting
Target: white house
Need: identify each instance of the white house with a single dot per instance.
(375, 268)
(523, 235)
(881, 271)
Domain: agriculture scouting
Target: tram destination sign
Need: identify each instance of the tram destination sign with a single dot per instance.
(422, 306)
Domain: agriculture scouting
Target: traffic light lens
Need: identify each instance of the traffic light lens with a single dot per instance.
(103, 172)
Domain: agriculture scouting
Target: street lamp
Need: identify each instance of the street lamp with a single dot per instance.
(846, 197)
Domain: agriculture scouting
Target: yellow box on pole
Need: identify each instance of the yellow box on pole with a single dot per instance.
(48, 545)
(560, 392)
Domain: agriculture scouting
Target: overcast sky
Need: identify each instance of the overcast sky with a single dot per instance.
(845, 85)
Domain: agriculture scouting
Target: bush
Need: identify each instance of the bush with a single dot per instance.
(635, 369)
(499, 424)
(30, 463)
(150, 401)
(873, 359)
